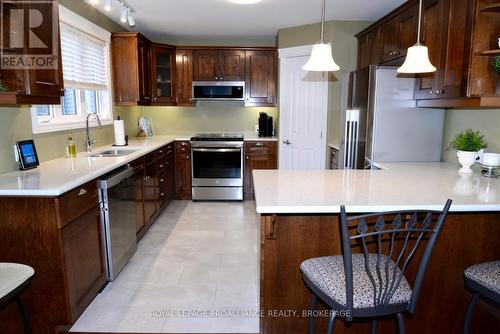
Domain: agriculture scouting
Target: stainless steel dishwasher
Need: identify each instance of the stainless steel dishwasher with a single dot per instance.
(118, 197)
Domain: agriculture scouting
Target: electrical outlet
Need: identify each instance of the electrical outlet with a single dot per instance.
(256, 128)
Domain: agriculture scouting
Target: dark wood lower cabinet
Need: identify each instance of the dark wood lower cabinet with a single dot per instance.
(67, 255)
(149, 188)
(84, 259)
(258, 155)
(183, 170)
(287, 240)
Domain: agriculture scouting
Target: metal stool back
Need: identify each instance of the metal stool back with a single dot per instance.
(387, 243)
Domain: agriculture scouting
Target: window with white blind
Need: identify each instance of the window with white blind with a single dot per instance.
(86, 74)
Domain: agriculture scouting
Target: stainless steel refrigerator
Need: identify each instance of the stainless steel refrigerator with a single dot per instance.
(380, 121)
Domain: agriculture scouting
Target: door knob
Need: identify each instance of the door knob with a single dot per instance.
(286, 142)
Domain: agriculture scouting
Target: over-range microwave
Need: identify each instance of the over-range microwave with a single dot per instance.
(219, 90)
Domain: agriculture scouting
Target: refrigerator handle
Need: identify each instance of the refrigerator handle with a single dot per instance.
(351, 136)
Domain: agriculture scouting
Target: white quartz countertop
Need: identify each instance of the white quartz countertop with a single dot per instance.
(55, 177)
(401, 186)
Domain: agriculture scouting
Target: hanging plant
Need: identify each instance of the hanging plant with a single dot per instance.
(495, 64)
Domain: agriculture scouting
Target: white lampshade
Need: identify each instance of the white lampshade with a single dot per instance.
(417, 60)
(321, 59)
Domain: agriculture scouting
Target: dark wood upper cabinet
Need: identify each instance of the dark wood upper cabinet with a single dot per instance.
(461, 36)
(232, 65)
(388, 39)
(434, 36)
(369, 46)
(131, 51)
(260, 76)
(217, 64)
(206, 65)
(397, 35)
(32, 86)
(163, 74)
(184, 76)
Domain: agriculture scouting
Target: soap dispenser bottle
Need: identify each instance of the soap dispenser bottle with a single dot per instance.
(71, 148)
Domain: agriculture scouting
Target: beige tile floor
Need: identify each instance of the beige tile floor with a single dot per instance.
(195, 271)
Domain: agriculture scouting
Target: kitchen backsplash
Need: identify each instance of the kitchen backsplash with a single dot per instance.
(206, 117)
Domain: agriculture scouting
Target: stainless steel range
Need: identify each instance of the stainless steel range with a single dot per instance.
(217, 166)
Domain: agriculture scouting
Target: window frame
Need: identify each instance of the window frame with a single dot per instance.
(43, 124)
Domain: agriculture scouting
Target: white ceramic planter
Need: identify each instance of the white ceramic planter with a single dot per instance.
(466, 160)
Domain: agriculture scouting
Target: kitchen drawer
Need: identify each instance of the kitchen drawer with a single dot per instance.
(74, 203)
(165, 150)
(161, 165)
(260, 147)
(182, 147)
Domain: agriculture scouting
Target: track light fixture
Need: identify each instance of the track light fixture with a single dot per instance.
(107, 5)
(130, 19)
(126, 13)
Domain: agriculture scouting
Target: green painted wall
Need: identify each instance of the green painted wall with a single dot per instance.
(206, 117)
(344, 49)
(485, 120)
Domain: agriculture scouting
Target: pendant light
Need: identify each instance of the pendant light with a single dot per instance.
(321, 59)
(417, 57)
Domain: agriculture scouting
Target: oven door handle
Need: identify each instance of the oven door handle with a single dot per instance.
(217, 150)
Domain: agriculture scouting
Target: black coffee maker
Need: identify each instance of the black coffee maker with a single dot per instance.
(266, 125)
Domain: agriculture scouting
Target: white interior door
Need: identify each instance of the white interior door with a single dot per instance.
(303, 112)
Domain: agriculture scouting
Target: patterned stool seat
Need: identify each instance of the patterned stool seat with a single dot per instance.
(328, 274)
(486, 274)
(12, 275)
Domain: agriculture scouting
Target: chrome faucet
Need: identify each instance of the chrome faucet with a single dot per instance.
(89, 141)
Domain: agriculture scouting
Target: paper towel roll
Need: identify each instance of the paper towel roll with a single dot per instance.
(119, 132)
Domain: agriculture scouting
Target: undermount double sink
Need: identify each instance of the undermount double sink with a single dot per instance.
(113, 153)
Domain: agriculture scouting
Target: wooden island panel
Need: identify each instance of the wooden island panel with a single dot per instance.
(287, 240)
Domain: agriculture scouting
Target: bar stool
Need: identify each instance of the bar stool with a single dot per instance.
(484, 281)
(14, 279)
(371, 282)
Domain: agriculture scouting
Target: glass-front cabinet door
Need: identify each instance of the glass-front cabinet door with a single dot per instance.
(162, 74)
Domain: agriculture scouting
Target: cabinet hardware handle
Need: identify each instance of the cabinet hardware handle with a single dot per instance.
(187, 156)
(222, 78)
(216, 78)
(162, 194)
(82, 192)
(161, 151)
(45, 83)
(271, 228)
(286, 142)
(161, 180)
(161, 166)
(259, 144)
(248, 157)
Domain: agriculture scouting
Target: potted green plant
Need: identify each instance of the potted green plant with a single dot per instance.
(495, 66)
(468, 143)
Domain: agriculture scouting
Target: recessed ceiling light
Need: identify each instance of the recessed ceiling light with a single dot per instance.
(245, 2)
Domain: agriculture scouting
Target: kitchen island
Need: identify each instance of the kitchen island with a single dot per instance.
(300, 220)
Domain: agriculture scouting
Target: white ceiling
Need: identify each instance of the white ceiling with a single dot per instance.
(223, 19)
